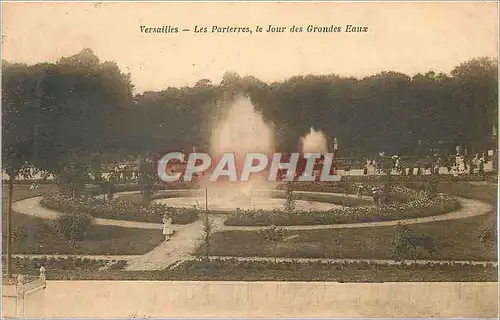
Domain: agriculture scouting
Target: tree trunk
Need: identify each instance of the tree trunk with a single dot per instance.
(9, 227)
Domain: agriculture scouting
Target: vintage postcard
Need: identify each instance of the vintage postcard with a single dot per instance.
(257, 159)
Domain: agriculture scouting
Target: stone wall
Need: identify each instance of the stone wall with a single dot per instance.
(269, 299)
(24, 299)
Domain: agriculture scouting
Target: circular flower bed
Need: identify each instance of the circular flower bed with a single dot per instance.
(118, 209)
(404, 203)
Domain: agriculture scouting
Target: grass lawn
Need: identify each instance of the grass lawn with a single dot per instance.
(101, 240)
(270, 271)
(455, 240)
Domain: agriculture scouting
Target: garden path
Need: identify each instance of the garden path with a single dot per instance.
(181, 246)
(469, 208)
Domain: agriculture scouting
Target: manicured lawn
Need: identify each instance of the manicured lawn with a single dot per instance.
(101, 240)
(455, 239)
(285, 271)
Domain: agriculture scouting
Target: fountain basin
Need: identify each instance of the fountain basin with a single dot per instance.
(223, 200)
(258, 203)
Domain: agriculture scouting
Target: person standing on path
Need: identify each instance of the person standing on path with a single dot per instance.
(167, 224)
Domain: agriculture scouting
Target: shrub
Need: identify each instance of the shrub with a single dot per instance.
(273, 233)
(118, 265)
(407, 244)
(207, 236)
(488, 233)
(73, 226)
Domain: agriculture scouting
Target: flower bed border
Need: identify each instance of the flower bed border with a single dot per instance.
(413, 208)
(118, 209)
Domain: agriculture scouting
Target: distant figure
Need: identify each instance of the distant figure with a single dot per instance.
(461, 165)
(360, 192)
(167, 224)
(395, 162)
(365, 170)
(380, 165)
(376, 196)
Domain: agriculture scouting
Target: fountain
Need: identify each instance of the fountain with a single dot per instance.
(242, 130)
(314, 142)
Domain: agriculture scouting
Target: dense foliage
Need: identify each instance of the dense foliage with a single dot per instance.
(73, 226)
(79, 103)
(273, 233)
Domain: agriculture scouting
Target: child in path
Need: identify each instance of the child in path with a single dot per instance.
(167, 224)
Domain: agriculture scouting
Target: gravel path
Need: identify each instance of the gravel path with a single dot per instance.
(179, 248)
(32, 207)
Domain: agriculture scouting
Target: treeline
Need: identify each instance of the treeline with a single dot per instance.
(83, 106)
(389, 112)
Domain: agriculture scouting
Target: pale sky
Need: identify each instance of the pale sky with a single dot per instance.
(404, 37)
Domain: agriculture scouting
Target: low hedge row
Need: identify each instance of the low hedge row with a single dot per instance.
(236, 270)
(33, 264)
(118, 209)
(221, 263)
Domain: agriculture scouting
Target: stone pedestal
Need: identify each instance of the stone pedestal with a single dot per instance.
(24, 299)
